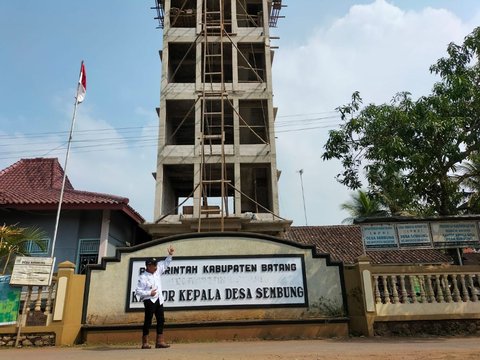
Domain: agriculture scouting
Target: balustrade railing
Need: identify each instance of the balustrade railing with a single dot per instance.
(411, 295)
(426, 288)
(38, 303)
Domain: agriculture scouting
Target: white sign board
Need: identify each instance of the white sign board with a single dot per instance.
(430, 234)
(244, 281)
(32, 271)
(379, 236)
(414, 235)
(455, 234)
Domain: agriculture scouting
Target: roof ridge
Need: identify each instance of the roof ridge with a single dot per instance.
(121, 199)
(324, 226)
(58, 171)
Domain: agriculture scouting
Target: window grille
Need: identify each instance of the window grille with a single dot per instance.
(89, 246)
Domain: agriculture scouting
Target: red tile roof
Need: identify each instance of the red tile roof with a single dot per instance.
(344, 243)
(35, 184)
(33, 174)
(471, 258)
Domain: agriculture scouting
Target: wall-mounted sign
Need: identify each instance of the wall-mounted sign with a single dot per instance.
(32, 271)
(432, 234)
(379, 236)
(414, 235)
(455, 234)
(217, 282)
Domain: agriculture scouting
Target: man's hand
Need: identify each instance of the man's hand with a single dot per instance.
(153, 292)
(170, 250)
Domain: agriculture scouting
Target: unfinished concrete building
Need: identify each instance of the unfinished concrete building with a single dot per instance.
(216, 164)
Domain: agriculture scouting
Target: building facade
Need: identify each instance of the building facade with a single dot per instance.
(216, 165)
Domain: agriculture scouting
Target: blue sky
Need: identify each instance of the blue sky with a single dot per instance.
(328, 50)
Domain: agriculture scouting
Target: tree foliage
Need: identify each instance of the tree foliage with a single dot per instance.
(414, 153)
(13, 241)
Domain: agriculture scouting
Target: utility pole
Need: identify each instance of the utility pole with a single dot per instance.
(303, 196)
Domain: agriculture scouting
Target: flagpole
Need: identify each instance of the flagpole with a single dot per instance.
(72, 126)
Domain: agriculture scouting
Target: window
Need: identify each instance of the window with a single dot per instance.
(249, 13)
(33, 249)
(251, 62)
(183, 13)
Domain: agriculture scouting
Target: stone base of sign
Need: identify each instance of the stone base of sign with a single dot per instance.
(181, 333)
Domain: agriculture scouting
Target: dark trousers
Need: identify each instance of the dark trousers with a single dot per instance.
(150, 310)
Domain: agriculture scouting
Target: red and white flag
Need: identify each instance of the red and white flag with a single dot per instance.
(82, 84)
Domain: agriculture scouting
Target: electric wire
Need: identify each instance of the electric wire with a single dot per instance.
(102, 139)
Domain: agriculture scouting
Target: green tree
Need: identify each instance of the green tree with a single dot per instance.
(363, 205)
(411, 151)
(13, 241)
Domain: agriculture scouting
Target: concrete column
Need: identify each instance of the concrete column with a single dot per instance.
(158, 209)
(198, 66)
(234, 16)
(197, 194)
(199, 16)
(166, 20)
(361, 302)
(235, 85)
(238, 186)
(67, 327)
(105, 229)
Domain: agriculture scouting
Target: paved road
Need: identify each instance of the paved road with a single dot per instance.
(451, 348)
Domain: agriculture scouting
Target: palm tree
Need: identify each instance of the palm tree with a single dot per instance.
(14, 241)
(470, 176)
(363, 205)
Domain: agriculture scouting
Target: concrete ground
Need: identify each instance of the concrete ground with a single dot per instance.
(451, 348)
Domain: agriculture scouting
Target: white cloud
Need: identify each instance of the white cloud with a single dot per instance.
(119, 166)
(377, 49)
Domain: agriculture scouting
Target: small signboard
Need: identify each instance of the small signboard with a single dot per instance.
(32, 271)
(455, 234)
(379, 236)
(414, 235)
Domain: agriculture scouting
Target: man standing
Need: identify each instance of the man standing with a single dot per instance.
(149, 289)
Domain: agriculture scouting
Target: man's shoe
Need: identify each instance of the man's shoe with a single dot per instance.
(160, 343)
(145, 344)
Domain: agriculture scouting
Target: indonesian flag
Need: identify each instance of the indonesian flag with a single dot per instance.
(82, 84)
